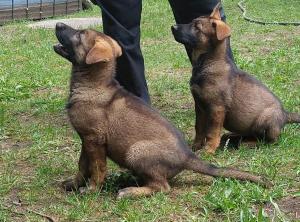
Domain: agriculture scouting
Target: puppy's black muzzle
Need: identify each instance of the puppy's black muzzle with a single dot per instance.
(183, 34)
(64, 34)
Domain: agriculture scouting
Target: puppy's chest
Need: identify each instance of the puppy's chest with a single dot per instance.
(86, 117)
(200, 79)
(209, 87)
(205, 82)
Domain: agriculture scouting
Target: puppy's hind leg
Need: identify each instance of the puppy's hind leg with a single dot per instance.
(272, 134)
(269, 125)
(148, 189)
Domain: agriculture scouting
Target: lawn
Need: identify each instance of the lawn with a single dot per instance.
(39, 149)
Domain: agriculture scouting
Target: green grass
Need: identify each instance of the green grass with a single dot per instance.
(39, 148)
(270, 10)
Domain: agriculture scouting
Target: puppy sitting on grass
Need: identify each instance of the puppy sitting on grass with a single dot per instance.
(223, 94)
(112, 122)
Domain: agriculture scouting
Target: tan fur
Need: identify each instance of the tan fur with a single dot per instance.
(101, 52)
(222, 29)
(223, 94)
(216, 12)
(113, 123)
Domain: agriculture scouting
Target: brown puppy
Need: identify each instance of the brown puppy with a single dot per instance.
(113, 123)
(224, 95)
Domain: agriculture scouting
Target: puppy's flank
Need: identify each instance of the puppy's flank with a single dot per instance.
(224, 95)
(112, 122)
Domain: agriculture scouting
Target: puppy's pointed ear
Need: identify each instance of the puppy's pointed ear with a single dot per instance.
(117, 48)
(101, 52)
(216, 12)
(222, 29)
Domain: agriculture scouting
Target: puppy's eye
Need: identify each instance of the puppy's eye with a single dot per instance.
(213, 24)
(77, 38)
(77, 35)
(81, 33)
(198, 26)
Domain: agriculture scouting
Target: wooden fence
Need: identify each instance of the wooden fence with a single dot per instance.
(38, 10)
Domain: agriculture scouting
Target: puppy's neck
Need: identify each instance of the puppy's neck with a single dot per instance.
(93, 84)
(97, 75)
(217, 52)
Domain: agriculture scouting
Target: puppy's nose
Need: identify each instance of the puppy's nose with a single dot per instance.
(60, 26)
(174, 27)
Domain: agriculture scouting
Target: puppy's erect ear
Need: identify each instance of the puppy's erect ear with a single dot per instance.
(216, 12)
(117, 48)
(222, 29)
(101, 52)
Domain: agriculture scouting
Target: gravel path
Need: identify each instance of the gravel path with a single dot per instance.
(73, 22)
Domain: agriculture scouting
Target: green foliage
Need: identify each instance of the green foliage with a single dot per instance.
(39, 149)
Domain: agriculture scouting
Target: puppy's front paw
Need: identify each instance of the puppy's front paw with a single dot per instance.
(70, 185)
(197, 146)
(85, 190)
(210, 150)
(200, 152)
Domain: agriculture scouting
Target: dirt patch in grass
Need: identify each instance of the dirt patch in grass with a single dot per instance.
(13, 196)
(8, 33)
(273, 35)
(153, 41)
(19, 210)
(25, 118)
(58, 119)
(21, 169)
(289, 206)
(11, 144)
(179, 73)
(187, 105)
(297, 82)
(44, 92)
(265, 39)
(164, 102)
(26, 170)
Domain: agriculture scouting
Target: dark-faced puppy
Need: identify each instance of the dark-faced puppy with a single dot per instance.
(224, 95)
(112, 122)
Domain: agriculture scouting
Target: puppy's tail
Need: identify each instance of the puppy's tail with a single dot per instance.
(293, 117)
(200, 166)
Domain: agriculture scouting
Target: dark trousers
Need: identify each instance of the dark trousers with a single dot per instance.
(121, 21)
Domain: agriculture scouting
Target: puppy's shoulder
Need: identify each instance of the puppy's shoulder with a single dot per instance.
(248, 79)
